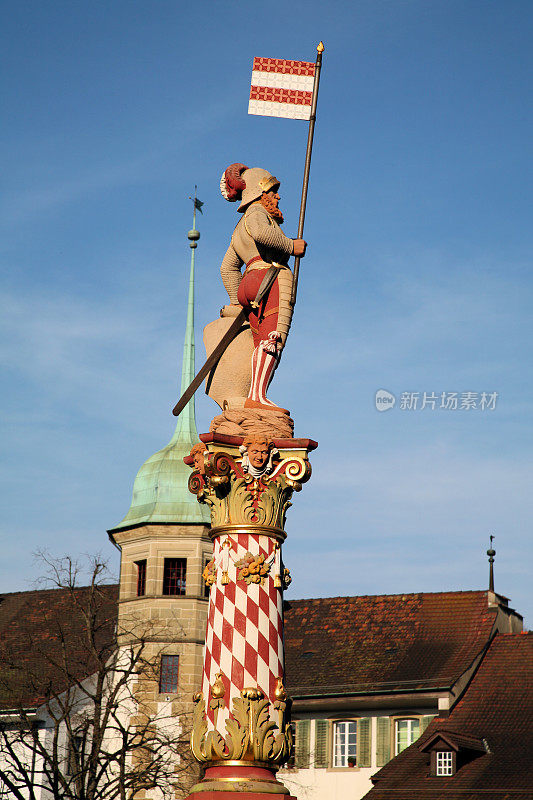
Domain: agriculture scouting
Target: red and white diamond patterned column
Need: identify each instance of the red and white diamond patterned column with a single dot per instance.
(241, 728)
(244, 641)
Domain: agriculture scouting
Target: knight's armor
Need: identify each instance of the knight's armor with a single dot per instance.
(258, 243)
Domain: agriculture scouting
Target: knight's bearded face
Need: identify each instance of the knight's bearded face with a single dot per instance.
(270, 200)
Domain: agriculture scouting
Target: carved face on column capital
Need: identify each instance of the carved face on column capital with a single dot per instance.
(197, 455)
(258, 450)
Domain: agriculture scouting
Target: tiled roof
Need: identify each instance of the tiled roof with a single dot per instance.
(36, 627)
(339, 644)
(498, 708)
(383, 643)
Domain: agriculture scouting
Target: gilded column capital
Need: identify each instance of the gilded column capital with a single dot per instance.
(239, 495)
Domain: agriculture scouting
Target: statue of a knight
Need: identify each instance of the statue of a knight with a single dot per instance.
(258, 243)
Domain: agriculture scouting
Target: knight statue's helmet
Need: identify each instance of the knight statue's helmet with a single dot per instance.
(246, 184)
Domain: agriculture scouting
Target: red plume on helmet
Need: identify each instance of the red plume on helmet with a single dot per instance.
(231, 183)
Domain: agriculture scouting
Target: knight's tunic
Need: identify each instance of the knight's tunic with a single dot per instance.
(259, 243)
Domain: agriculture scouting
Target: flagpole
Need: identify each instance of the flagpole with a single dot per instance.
(303, 202)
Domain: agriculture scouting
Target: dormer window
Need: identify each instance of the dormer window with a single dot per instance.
(449, 751)
(444, 762)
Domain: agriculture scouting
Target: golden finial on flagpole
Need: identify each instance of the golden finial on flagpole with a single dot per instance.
(320, 47)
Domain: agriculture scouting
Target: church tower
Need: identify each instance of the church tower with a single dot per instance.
(164, 546)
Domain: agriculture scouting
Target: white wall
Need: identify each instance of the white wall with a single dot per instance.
(340, 783)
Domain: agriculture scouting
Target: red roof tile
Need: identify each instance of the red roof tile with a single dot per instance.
(384, 642)
(497, 707)
(35, 628)
(338, 644)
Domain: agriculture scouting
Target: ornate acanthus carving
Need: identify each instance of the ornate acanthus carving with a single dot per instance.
(251, 734)
(237, 498)
(250, 568)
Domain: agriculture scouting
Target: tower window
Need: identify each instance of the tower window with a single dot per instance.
(174, 574)
(141, 577)
(168, 678)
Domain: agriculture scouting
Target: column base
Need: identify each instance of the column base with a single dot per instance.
(251, 781)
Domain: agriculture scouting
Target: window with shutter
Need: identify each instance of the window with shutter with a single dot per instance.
(345, 743)
(383, 741)
(424, 722)
(364, 742)
(407, 731)
(301, 744)
(321, 743)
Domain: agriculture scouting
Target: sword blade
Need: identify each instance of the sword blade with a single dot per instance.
(228, 337)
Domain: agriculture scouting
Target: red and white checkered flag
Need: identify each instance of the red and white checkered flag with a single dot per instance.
(282, 88)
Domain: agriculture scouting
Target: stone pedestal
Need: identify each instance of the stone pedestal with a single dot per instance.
(241, 727)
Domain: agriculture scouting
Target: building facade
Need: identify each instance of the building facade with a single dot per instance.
(374, 679)
(369, 674)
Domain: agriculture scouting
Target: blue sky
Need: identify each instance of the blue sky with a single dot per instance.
(417, 277)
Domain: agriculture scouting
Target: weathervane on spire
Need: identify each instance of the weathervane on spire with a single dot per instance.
(193, 234)
(491, 553)
(197, 206)
(187, 373)
(163, 478)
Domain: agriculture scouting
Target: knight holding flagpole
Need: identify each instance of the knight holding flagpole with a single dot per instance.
(260, 245)
(245, 344)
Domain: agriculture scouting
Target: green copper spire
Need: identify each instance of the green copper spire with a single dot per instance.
(160, 490)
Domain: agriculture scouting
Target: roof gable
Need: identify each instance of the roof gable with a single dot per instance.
(452, 741)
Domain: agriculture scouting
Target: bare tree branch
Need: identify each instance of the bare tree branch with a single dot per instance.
(76, 721)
